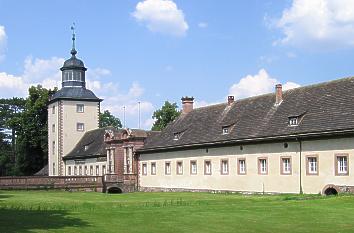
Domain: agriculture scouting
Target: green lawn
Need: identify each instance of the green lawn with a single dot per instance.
(56, 211)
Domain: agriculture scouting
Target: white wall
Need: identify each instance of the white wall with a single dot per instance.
(274, 181)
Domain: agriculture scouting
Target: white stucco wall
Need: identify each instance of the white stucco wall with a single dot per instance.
(70, 118)
(70, 136)
(85, 162)
(274, 181)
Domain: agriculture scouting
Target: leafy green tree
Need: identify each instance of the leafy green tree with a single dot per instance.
(32, 136)
(10, 111)
(107, 119)
(167, 113)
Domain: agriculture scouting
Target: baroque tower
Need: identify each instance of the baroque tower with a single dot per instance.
(72, 111)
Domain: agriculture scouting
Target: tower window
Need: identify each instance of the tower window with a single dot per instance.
(53, 128)
(53, 109)
(53, 147)
(80, 127)
(80, 108)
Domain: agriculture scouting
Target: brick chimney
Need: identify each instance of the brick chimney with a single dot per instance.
(187, 104)
(230, 99)
(278, 94)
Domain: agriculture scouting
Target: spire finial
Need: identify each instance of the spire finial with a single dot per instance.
(73, 50)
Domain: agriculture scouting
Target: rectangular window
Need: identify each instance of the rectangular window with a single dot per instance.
(103, 169)
(241, 169)
(207, 167)
(80, 170)
(80, 108)
(97, 170)
(312, 165)
(85, 171)
(53, 128)
(341, 164)
(179, 169)
(224, 167)
(69, 170)
(75, 170)
(91, 170)
(144, 169)
(262, 166)
(53, 148)
(193, 167)
(53, 109)
(54, 169)
(167, 168)
(80, 127)
(153, 168)
(285, 165)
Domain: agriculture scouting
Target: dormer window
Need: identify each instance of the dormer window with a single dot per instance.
(176, 136)
(225, 130)
(86, 148)
(293, 121)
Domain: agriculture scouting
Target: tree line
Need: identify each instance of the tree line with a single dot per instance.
(24, 130)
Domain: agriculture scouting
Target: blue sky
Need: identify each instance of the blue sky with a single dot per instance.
(150, 51)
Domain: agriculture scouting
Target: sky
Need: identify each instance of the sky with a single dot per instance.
(150, 51)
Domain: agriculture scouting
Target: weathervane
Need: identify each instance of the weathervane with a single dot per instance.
(73, 50)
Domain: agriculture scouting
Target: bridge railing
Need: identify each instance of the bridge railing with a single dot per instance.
(26, 182)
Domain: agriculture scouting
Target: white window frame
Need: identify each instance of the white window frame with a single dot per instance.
(80, 108)
(153, 168)
(224, 168)
(241, 166)
(263, 166)
(79, 128)
(286, 165)
(194, 167)
(144, 169)
(168, 168)
(342, 164)
(179, 168)
(208, 167)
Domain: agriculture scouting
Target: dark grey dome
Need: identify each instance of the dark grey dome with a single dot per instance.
(75, 93)
(73, 62)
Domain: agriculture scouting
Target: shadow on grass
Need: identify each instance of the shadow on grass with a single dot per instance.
(4, 196)
(20, 220)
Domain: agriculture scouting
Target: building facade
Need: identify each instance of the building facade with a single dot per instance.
(72, 111)
(298, 141)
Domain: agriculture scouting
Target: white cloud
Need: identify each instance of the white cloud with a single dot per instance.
(3, 39)
(203, 25)
(261, 83)
(43, 71)
(36, 71)
(11, 85)
(148, 123)
(203, 103)
(161, 16)
(327, 24)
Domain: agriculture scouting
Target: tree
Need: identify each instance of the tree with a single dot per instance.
(107, 119)
(167, 113)
(32, 136)
(10, 111)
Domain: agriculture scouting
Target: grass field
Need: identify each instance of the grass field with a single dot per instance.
(56, 211)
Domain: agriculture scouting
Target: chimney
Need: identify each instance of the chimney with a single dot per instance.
(230, 99)
(278, 94)
(187, 104)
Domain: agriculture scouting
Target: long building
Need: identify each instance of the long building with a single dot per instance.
(300, 140)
